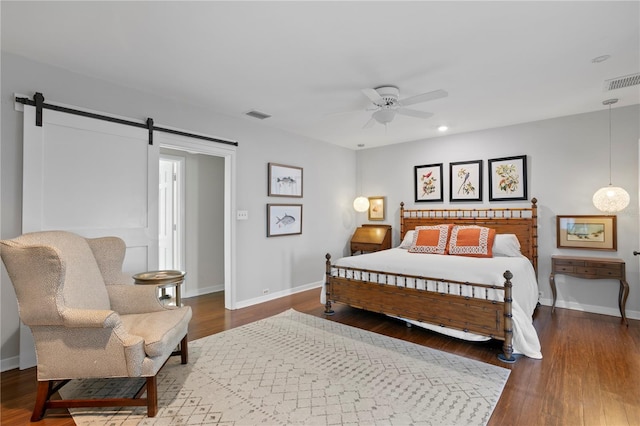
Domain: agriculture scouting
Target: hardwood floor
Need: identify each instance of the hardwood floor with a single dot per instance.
(590, 374)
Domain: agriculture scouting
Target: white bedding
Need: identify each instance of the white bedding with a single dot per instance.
(459, 268)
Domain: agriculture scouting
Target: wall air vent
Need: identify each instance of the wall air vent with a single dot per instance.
(621, 82)
(257, 114)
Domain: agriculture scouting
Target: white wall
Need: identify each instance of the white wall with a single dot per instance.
(282, 264)
(567, 163)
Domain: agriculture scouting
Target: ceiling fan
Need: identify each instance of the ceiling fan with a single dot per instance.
(387, 103)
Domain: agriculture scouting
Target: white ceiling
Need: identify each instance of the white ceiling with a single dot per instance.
(501, 62)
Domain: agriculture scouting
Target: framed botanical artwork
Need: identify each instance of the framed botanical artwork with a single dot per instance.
(508, 178)
(587, 232)
(376, 208)
(285, 181)
(428, 182)
(465, 181)
(284, 219)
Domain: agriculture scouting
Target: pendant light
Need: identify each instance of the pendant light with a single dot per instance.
(610, 199)
(361, 203)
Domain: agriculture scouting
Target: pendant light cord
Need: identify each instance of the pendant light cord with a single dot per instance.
(609, 144)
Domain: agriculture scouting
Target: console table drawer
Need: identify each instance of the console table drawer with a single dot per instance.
(569, 262)
(608, 272)
(584, 270)
(564, 268)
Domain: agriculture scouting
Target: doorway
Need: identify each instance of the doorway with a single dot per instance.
(203, 203)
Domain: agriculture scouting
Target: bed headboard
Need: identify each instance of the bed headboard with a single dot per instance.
(523, 222)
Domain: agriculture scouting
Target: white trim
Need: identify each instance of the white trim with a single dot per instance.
(279, 294)
(614, 312)
(9, 363)
(228, 152)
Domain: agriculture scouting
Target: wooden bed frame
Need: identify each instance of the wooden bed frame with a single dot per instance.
(477, 315)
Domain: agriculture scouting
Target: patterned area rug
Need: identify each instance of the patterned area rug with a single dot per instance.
(299, 369)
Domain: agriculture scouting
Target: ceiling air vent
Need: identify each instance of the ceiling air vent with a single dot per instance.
(257, 114)
(621, 82)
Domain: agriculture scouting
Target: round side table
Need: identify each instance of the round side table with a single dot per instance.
(163, 280)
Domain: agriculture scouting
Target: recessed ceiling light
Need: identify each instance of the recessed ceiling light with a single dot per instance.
(443, 128)
(600, 59)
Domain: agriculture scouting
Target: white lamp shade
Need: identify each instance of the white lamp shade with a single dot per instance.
(361, 204)
(611, 199)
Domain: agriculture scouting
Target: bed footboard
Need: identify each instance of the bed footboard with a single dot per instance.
(482, 309)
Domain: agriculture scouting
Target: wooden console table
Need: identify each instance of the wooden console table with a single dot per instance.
(371, 238)
(591, 268)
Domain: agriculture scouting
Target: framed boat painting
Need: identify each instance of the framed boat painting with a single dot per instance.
(597, 232)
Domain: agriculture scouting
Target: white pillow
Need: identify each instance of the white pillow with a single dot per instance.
(506, 245)
(408, 240)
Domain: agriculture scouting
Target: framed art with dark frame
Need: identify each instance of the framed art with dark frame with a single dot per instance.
(508, 178)
(465, 181)
(428, 182)
(596, 232)
(376, 208)
(284, 219)
(285, 181)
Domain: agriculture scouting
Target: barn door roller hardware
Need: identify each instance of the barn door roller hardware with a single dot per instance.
(38, 102)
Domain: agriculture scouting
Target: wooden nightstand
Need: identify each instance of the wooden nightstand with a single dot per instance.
(371, 238)
(591, 268)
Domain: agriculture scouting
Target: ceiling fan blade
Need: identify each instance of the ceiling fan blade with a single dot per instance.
(429, 96)
(372, 95)
(369, 123)
(414, 113)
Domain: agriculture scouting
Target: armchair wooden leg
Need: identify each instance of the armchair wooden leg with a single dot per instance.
(152, 396)
(42, 395)
(184, 350)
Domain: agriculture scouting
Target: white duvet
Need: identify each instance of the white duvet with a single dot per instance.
(459, 268)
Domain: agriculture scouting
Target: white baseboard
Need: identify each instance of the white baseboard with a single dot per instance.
(10, 363)
(279, 294)
(214, 288)
(614, 312)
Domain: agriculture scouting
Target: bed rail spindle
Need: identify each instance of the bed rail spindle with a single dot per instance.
(507, 347)
(327, 283)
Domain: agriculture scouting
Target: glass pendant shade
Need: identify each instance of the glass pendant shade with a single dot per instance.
(611, 199)
(361, 204)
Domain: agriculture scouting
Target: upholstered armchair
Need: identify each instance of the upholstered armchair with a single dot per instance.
(87, 318)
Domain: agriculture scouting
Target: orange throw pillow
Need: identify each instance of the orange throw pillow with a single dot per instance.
(430, 239)
(473, 241)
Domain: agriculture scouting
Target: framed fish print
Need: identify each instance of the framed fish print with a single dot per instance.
(428, 182)
(597, 232)
(284, 219)
(465, 181)
(508, 178)
(285, 181)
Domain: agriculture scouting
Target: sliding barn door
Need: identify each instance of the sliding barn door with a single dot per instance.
(94, 178)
